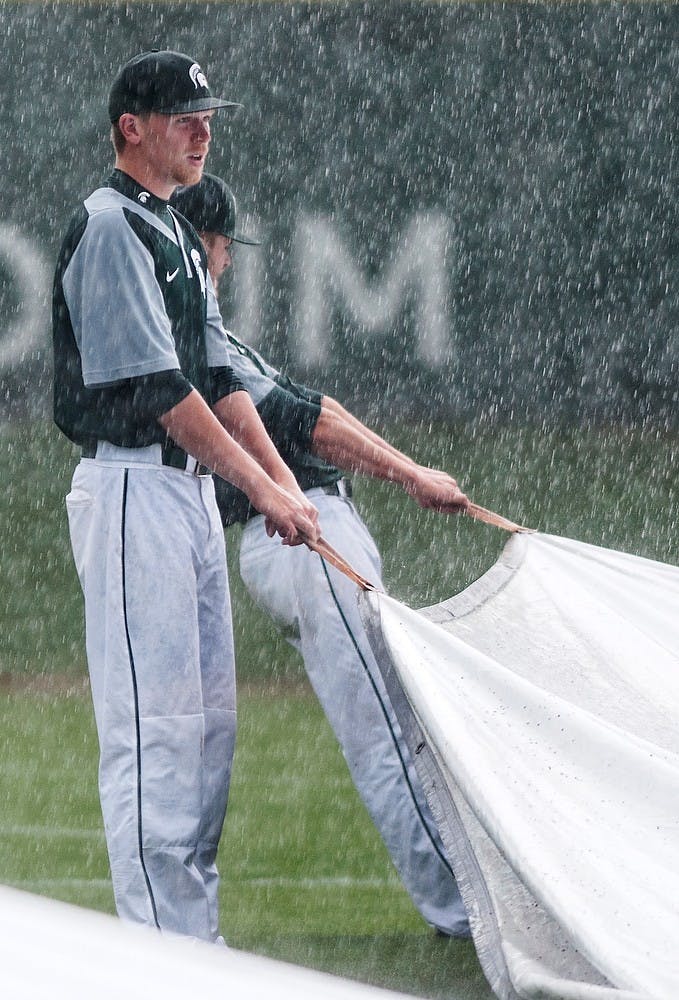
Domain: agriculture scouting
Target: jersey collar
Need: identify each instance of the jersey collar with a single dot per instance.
(126, 185)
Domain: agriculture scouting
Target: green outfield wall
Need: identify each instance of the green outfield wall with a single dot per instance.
(466, 209)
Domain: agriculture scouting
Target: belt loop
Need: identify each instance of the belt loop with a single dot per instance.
(199, 470)
(344, 488)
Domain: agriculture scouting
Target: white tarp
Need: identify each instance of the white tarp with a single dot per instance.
(52, 949)
(542, 706)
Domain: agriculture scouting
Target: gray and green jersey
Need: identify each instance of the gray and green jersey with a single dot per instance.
(129, 319)
(289, 412)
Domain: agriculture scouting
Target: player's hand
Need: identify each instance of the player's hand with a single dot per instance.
(289, 484)
(435, 490)
(301, 537)
(289, 515)
(308, 508)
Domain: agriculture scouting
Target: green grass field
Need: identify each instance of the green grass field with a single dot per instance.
(304, 875)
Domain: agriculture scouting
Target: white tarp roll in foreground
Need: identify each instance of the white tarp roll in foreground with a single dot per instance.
(61, 952)
(542, 706)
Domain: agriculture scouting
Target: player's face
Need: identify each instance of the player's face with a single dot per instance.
(219, 251)
(175, 148)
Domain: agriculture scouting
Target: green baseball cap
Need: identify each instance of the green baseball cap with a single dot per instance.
(169, 83)
(210, 207)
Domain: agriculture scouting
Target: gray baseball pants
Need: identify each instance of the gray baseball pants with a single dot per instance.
(149, 551)
(315, 607)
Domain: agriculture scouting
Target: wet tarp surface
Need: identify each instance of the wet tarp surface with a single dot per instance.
(50, 949)
(542, 706)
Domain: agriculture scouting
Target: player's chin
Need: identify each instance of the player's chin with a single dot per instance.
(190, 172)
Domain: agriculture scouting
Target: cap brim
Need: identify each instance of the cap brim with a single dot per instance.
(200, 104)
(243, 238)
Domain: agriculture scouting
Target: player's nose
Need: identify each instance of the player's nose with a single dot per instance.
(201, 130)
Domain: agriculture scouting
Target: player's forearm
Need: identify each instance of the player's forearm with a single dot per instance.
(238, 415)
(346, 444)
(330, 404)
(196, 429)
(341, 442)
(193, 426)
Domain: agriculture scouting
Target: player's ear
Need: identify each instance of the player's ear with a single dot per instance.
(129, 126)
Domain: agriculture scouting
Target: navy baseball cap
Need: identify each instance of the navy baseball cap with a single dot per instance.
(210, 207)
(169, 83)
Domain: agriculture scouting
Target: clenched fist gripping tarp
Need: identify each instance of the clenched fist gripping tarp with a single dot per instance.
(542, 706)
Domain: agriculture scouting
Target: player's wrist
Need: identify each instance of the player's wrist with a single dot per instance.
(411, 479)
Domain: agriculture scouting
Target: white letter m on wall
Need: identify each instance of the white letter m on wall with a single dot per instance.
(327, 274)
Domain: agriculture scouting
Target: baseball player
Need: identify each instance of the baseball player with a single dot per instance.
(314, 605)
(148, 393)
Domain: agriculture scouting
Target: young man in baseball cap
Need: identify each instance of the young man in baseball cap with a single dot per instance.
(316, 605)
(148, 393)
(157, 99)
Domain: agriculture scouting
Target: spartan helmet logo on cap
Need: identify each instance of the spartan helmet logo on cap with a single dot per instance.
(197, 76)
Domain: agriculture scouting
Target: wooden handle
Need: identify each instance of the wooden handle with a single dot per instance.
(496, 520)
(327, 552)
(331, 555)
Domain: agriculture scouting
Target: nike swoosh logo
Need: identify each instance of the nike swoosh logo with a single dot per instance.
(170, 277)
